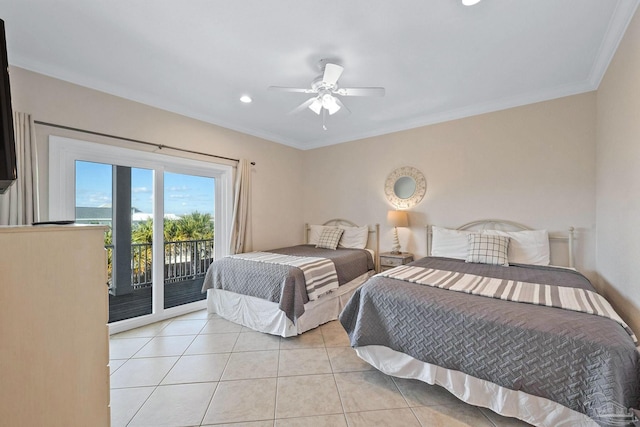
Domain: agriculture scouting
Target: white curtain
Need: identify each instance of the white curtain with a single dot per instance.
(241, 222)
(19, 205)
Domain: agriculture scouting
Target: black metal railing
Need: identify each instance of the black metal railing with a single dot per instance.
(183, 260)
(187, 259)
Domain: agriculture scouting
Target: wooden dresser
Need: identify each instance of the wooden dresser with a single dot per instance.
(54, 341)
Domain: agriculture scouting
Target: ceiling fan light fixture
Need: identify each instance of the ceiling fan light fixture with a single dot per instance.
(329, 102)
(316, 106)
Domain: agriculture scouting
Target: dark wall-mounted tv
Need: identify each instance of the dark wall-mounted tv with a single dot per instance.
(8, 172)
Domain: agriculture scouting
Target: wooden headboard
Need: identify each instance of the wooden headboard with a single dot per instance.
(373, 244)
(504, 225)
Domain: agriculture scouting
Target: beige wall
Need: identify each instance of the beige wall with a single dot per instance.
(618, 178)
(533, 164)
(277, 208)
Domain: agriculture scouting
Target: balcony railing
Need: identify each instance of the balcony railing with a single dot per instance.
(183, 260)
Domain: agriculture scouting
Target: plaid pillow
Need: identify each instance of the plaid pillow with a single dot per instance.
(329, 238)
(488, 249)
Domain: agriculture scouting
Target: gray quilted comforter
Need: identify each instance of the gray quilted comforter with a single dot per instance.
(281, 283)
(585, 362)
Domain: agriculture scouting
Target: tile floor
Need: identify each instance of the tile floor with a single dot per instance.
(201, 370)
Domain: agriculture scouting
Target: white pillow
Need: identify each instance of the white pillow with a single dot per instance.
(354, 237)
(450, 243)
(315, 231)
(526, 247)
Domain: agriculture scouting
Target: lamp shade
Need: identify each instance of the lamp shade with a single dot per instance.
(316, 106)
(329, 102)
(398, 219)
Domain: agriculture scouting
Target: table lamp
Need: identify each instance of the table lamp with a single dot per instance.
(397, 219)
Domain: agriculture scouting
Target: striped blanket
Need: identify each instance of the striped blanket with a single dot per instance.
(567, 298)
(319, 273)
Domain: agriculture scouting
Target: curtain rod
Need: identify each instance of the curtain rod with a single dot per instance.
(137, 141)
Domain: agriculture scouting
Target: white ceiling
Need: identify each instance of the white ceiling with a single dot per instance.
(437, 59)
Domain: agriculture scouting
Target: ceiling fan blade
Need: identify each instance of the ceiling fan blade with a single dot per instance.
(291, 89)
(303, 106)
(360, 91)
(342, 106)
(332, 73)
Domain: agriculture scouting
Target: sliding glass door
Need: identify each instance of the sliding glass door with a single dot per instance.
(121, 197)
(167, 219)
(189, 206)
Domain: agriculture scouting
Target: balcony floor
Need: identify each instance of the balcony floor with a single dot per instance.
(138, 303)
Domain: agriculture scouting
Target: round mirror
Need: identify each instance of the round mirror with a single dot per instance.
(405, 187)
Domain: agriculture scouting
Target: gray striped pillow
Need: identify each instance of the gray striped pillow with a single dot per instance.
(329, 238)
(488, 249)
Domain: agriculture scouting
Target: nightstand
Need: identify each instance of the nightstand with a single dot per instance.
(389, 260)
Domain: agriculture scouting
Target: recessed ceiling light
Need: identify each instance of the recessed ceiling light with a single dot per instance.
(246, 99)
(470, 2)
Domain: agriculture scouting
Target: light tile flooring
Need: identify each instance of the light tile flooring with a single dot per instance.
(201, 370)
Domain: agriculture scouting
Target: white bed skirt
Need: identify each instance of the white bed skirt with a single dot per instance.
(265, 316)
(510, 403)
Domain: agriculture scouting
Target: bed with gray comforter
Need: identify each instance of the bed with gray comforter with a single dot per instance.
(582, 361)
(283, 284)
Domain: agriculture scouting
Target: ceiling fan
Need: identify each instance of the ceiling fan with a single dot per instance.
(325, 92)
